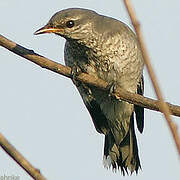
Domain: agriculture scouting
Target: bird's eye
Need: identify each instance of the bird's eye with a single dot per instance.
(70, 24)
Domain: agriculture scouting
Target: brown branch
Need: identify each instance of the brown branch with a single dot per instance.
(163, 106)
(9, 149)
(83, 77)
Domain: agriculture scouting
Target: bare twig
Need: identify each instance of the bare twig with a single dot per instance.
(93, 81)
(163, 106)
(33, 172)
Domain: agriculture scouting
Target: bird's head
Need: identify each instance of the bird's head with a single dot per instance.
(73, 23)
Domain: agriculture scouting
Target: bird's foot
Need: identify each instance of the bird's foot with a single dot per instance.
(76, 71)
(112, 88)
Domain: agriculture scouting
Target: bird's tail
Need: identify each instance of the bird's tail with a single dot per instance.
(123, 156)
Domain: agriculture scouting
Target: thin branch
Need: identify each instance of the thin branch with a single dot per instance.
(163, 106)
(85, 78)
(9, 149)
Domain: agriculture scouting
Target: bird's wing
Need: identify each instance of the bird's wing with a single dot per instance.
(138, 109)
(98, 117)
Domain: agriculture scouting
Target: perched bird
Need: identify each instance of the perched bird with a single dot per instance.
(107, 48)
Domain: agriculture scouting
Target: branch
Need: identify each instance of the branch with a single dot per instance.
(162, 105)
(33, 172)
(85, 78)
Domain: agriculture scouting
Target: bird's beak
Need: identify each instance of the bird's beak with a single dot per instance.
(48, 29)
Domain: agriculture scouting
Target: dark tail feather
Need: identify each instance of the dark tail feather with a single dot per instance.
(139, 111)
(124, 156)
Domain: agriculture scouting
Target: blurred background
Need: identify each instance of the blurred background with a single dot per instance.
(42, 114)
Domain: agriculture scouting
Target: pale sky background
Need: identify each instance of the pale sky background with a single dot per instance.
(42, 114)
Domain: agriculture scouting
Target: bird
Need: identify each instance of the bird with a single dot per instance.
(107, 48)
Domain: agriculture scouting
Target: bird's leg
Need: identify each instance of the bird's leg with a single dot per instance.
(76, 71)
(112, 89)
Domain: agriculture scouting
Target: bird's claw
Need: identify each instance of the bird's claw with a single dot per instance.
(75, 71)
(112, 88)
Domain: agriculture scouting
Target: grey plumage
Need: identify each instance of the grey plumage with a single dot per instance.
(107, 48)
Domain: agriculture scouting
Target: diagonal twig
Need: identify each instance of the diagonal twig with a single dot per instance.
(163, 106)
(9, 149)
(91, 80)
